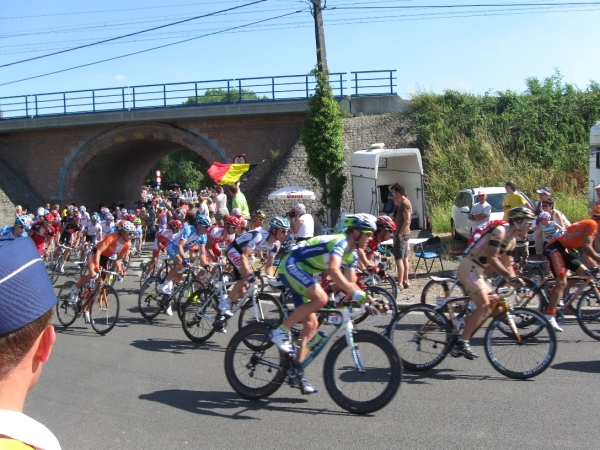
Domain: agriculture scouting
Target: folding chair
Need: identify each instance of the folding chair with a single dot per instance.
(429, 250)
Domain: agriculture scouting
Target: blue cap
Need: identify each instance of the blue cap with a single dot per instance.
(26, 293)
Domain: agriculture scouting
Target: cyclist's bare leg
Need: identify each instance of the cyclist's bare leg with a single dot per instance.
(309, 328)
(472, 321)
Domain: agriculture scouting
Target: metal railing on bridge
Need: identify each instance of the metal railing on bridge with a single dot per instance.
(212, 92)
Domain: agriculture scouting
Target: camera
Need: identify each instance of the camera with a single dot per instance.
(291, 214)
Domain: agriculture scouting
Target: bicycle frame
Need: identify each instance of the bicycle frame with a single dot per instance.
(586, 281)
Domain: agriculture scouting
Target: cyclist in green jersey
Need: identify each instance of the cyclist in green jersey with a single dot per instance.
(326, 254)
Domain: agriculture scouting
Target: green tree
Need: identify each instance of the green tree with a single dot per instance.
(322, 132)
(185, 167)
(221, 96)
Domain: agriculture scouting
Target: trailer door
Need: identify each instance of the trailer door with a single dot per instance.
(365, 195)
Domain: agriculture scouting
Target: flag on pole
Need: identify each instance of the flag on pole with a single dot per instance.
(228, 173)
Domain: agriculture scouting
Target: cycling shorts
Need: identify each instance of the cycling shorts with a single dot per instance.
(234, 257)
(172, 250)
(560, 259)
(89, 238)
(66, 238)
(103, 260)
(471, 277)
(296, 279)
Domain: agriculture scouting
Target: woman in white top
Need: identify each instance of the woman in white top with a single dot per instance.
(221, 206)
(303, 224)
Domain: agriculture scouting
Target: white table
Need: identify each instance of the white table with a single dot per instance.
(411, 242)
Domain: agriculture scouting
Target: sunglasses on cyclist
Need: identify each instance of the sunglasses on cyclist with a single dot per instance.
(367, 232)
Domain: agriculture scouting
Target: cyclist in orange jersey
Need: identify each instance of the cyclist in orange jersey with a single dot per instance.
(580, 234)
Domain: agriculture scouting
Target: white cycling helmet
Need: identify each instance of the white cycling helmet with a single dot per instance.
(82, 209)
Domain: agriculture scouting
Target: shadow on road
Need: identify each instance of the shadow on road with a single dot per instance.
(226, 404)
(174, 345)
(579, 366)
(415, 377)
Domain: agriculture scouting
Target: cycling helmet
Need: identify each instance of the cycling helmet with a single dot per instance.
(281, 223)
(361, 222)
(175, 224)
(300, 208)
(49, 217)
(82, 209)
(137, 221)
(237, 212)
(233, 221)
(129, 217)
(40, 211)
(385, 223)
(95, 218)
(76, 215)
(259, 213)
(23, 221)
(520, 212)
(596, 211)
(123, 211)
(201, 219)
(128, 227)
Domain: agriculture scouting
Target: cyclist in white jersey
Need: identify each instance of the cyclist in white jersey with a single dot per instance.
(242, 247)
(218, 235)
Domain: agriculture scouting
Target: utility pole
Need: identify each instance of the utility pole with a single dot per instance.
(316, 11)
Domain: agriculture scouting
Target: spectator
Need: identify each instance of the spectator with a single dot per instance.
(203, 207)
(480, 213)
(26, 337)
(211, 209)
(18, 210)
(221, 205)
(402, 234)
(555, 216)
(238, 200)
(544, 194)
(597, 189)
(512, 199)
(303, 224)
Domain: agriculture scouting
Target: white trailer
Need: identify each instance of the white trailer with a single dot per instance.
(594, 178)
(374, 170)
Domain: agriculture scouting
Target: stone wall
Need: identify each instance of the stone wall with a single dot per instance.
(14, 192)
(395, 130)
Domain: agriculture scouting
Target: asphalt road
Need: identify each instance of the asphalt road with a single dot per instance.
(144, 385)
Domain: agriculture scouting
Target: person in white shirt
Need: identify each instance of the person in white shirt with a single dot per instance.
(481, 211)
(303, 224)
(26, 340)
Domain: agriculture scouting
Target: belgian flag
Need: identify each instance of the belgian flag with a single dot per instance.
(228, 173)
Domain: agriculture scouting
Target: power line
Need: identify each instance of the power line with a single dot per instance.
(488, 5)
(130, 34)
(149, 49)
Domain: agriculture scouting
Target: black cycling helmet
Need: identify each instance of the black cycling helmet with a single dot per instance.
(520, 212)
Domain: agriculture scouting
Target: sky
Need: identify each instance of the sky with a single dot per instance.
(474, 49)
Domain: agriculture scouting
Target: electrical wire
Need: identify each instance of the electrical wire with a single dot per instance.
(130, 34)
(149, 49)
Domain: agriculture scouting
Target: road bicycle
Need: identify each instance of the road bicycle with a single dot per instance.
(97, 297)
(202, 317)
(56, 263)
(160, 270)
(519, 342)
(362, 369)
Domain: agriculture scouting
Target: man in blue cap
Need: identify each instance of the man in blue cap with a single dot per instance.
(26, 338)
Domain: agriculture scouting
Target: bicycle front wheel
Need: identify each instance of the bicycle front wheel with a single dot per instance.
(150, 298)
(104, 310)
(57, 264)
(66, 311)
(369, 388)
(520, 358)
(254, 374)
(268, 308)
(588, 313)
(421, 336)
(434, 290)
(198, 315)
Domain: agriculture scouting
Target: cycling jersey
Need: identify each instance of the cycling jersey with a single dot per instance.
(116, 245)
(40, 234)
(161, 240)
(92, 230)
(85, 219)
(575, 234)
(372, 246)
(298, 267)
(107, 226)
(71, 227)
(189, 236)
(216, 235)
(258, 240)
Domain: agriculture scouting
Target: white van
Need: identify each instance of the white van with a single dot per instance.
(594, 178)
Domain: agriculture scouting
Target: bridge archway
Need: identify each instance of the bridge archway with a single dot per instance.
(112, 166)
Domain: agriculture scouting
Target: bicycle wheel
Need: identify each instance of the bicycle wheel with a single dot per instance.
(434, 290)
(524, 358)
(104, 310)
(365, 390)
(150, 300)
(388, 283)
(383, 296)
(421, 336)
(269, 311)
(66, 311)
(588, 313)
(186, 292)
(199, 313)
(254, 374)
(56, 265)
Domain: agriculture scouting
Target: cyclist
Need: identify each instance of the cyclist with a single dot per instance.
(161, 240)
(385, 228)
(22, 223)
(237, 212)
(193, 233)
(241, 248)
(221, 234)
(492, 251)
(139, 234)
(324, 254)
(108, 223)
(69, 229)
(258, 218)
(42, 232)
(113, 244)
(580, 234)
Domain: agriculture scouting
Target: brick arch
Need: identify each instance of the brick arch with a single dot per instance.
(117, 161)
